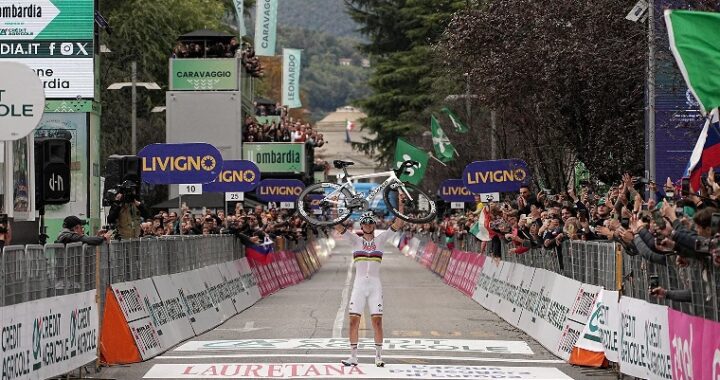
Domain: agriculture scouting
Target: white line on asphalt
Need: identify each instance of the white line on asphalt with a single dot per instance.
(447, 358)
(340, 317)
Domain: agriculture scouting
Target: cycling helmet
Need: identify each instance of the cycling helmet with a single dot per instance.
(367, 218)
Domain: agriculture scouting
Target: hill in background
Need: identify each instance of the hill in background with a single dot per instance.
(327, 16)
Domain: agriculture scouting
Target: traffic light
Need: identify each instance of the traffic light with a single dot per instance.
(52, 171)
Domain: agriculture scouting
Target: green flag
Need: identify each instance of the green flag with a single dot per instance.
(694, 43)
(459, 125)
(405, 151)
(444, 150)
(581, 174)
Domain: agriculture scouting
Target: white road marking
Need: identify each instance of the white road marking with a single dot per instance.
(342, 310)
(249, 326)
(409, 357)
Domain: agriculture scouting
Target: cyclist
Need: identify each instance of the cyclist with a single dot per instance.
(367, 287)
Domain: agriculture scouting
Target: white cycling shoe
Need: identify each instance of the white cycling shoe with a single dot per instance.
(379, 362)
(349, 362)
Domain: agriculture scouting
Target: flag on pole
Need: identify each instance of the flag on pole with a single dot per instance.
(706, 154)
(240, 14)
(265, 27)
(349, 126)
(444, 149)
(457, 123)
(481, 228)
(405, 151)
(694, 43)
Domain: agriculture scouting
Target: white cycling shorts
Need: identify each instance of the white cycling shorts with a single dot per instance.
(366, 291)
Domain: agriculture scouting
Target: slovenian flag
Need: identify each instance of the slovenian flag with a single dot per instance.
(259, 253)
(706, 154)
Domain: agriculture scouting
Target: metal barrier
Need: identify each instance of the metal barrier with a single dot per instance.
(608, 265)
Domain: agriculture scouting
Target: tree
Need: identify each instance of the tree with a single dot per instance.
(400, 33)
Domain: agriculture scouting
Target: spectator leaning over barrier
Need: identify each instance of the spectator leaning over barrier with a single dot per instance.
(73, 232)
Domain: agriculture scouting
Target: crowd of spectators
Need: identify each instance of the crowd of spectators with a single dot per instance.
(672, 226)
(230, 49)
(258, 225)
(286, 129)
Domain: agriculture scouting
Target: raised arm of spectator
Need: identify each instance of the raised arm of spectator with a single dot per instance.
(647, 253)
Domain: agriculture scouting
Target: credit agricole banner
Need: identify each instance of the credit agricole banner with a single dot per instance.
(203, 74)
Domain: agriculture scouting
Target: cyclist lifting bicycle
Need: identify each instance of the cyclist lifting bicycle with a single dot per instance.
(328, 204)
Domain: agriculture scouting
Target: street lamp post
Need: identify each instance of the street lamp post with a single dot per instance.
(133, 85)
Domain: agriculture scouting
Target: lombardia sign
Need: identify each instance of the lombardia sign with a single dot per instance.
(22, 101)
(55, 39)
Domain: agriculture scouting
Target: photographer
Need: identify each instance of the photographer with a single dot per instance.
(126, 211)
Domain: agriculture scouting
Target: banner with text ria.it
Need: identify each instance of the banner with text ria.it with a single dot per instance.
(55, 39)
(279, 190)
(180, 163)
(496, 176)
(236, 176)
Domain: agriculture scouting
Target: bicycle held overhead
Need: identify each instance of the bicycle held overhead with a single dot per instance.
(328, 204)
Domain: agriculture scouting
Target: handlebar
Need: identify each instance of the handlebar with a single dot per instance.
(404, 166)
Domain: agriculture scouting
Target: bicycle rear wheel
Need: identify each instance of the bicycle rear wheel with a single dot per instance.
(324, 204)
(417, 205)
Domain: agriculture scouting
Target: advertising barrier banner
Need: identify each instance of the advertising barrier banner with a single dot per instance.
(496, 176)
(180, 163)
(170, 315)
(49, 337)
(644, 340)
(202, 312)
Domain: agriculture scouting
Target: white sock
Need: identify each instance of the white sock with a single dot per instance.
(353, 350)
(378, 350)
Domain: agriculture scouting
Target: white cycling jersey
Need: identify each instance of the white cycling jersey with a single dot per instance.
(367, 287)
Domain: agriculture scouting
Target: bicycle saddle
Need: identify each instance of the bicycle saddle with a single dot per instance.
(339, 164)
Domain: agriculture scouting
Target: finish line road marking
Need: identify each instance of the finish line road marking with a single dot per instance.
(337, 370)
(369, 358)
(391, 344)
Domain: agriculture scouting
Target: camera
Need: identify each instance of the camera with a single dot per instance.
(654, 281)
(625, 223)
(128, 190)
(705, 246)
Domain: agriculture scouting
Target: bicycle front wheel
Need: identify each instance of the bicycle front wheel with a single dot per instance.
(417, 207)
(324, 204)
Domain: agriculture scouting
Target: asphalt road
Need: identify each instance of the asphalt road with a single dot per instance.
(431, 331)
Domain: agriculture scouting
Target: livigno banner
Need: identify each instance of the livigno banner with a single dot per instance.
(54, 38)
(203, 74)
(291, 78)
(276, 157)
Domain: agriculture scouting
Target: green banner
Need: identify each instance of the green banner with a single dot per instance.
(268, 119)
(265, 27)
(47, 20)
(240, 14)
(203, 74)
(276, 157)
(444, 149)
(291, 78)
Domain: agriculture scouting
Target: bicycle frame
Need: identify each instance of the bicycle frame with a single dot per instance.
(392, 178)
